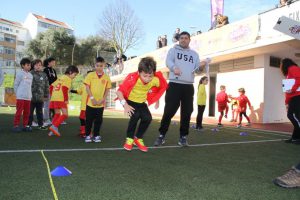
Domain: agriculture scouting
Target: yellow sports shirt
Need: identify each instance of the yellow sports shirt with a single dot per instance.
(57, 93)
(139, 91)
(97, 85)
(201, 96)
(82, 91)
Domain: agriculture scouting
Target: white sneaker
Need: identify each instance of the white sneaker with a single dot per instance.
(47, 123)
(97, 139)
(88, 139)
(64, 123)
(239, 125)
(34, 124)
(50, 134)
(248, 124)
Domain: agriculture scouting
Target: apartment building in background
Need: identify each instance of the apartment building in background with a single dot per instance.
(14, 36)
(13, 39)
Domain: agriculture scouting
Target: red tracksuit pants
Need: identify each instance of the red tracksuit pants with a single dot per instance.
(22, 107)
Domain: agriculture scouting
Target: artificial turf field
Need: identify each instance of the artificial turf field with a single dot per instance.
(217, 165)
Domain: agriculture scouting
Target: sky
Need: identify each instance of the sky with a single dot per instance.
(158, 17)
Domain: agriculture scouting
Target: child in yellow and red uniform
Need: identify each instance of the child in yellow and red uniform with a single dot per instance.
(97, 86)
(59, 98)
(82, 91)
(136, 89)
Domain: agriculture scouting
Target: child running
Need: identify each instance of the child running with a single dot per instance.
(60, 99)
(97, 86)
(144, 85)
(243, 101)
(222, 99)
(22, 89)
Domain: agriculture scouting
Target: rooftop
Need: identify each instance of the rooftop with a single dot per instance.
(10, 22)
(52, 21)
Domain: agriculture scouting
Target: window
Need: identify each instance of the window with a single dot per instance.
(46, 25)
(8, 63)
(9, 39)
(1, 37)
(21, 43)
(1, 50)
(275, 61)
(17, 31)
(8, 50)
(19, 55)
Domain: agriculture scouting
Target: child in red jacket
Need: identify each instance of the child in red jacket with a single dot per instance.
(136, 89)
(222, 99)
(243, 101)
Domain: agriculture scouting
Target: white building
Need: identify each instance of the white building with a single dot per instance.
(14, 36)
(13, 39)
(245, 54)
(37, 23)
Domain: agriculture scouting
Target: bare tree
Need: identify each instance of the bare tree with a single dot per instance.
(120, 25)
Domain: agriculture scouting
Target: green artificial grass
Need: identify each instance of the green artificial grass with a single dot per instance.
(222, 171)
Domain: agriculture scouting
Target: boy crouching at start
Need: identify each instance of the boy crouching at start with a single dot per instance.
(144, 85)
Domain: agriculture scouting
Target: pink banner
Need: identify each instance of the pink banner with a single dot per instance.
(217, 7)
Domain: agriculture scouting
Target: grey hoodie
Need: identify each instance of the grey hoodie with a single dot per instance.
(22, 85)
(187, 60)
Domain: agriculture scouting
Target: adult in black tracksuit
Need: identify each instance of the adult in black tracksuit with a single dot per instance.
(182, 63)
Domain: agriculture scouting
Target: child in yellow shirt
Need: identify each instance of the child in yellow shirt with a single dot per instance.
(144, 85)
(201, 101)
(97, 86)
(59, 98)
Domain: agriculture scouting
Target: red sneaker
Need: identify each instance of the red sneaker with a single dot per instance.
(128, 144)
(140, 144)
(82, 131)
(54, 130)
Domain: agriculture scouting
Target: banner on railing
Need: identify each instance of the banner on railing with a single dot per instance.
(217, 7)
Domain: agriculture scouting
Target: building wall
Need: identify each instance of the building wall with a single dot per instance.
(253, 82)
(31, 23)
(19, 40)
(274, 109)
(274, 106)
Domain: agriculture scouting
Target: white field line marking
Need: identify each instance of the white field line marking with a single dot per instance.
(258, 131)
(254, 133)
(211, 125)
(121, 149)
